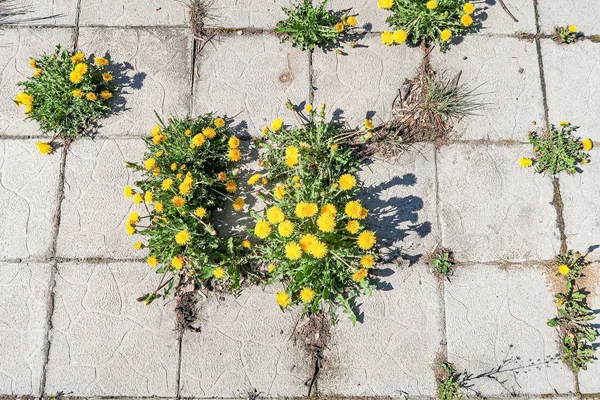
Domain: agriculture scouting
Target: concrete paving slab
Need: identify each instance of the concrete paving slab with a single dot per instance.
(133, 13)
(40, 12)
(582, 13)
(580, 205)
(29, 194)
(18, 46)
(157, 62)
(573, 84)
(24, 299)
(262, 14)
(250, 77)
(245, 344)
(503, 72)
(401, 198)
(94, 209)
(495, 20)
(392, 352)
(104, 342)
(491, 209)
(588, 379)
(370, 17)
(496, 327)
(365, 82)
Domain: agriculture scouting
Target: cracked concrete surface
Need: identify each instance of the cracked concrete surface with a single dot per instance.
(68, 316)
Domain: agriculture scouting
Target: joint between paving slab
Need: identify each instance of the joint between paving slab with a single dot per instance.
(76, 27)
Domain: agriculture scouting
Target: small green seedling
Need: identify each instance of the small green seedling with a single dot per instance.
(566, 34)
(449, 388)
(442, 262)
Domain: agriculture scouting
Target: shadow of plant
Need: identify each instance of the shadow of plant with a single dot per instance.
(9, 11)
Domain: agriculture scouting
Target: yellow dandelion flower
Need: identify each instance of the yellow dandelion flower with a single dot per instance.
(130, 229)
(238, 204)
(587, 144)
(234, 142)
(276, 124)
(307, 242)
(159, 154)
(77, 93)
(198, 140)
(283, 299)
(78, 57)
(351, 20)
(91, 96)
(148, 197)
(385, 4)
(219, 273)
(369, 124)
(466, 20)
(156, 130)
(359, 275)
(366, 240)
(347, 182)
(339, 27)
(222, 176)
(307, 295)
(326, 223)
(291, 161)
(37, 72)
(353, 209)
(559, 303)
(44, 148)
(446, 35)
(133, 218)
(177, 262)
(367, 261)
(75, 77)
(525, 162)
(306, 210)
(235, 155)
(264, 130)
(178, 201)
(182, 237)
(363, 213)
(101, 61)
(32, 63)
(469, 8)
(107, 77)
(167, 183)
(200, 212)
(275, 215)
(285, 228)
(158, 139)
(572, 28)
(231, 186)
(262, 229)
(137, 198)
(150, 163)
(219, 122)
(128, 191)
(264, 181)
(254, 178)
(158, 206)
(387, 38)
(329, 209)
(293, 251)
(279, 192)
(152, 261)
(432, 5)
(399, 36)
(246, 244)
(271, 268)
(209, 132)
(563, 269)
(309, 107)
(319, 249)
(105, 95)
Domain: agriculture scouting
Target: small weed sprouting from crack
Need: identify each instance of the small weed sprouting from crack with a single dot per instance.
(449, 383)
(441, 261)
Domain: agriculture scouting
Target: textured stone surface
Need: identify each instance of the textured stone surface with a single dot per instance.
(40, 12)
(491, 209)
(18, 46)
(392, 352)
(503, 74)
(370, 17)
(244, 344)
(94, 209)
(24, 296)
(496, 328)
(582, 13)
(581, 202)
(103, 342)
(28, 194)
(588, 380)
(495, 20)
(153, 65)
(132, 13)
(573, 84)
(401, 199)
(262, 14)
(365, 82)
(250, 78)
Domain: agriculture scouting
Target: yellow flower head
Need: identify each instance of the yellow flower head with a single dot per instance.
(279, 192)
(130, 229)
(167, 183)
(200, 212)
(275, 215)
(387, 38)
(32, 63)
(347, 182)
(366, 240)
(353, 209)
(246, 244)
(283, 299)
(307, 295)
(351, 21)
(339, 27)
(291, 161)
(158, 139)
(319, 249)
(222, 176)
(572, 28)
(78, 57)
(367, 261)
(178, 201)
(137, 198)
(234, 142)
(158, 206)
(293, 251)
(262, 229)
(399, 37)
(182, 237)
(306, 210)
(105, 95)
(285, 228)
(231, 186)
(469, 8)
(44, 148)
(91, 96)
(446, 35)
(326, 223)
(466, 20)
(219, 273)
(309, 107)
(133, 218)
(37, 72)
(254, 178)
(307, 242)
(238, 204)
(81, 69)
(177, 262)
(128, 191)
(359, 275)
(235, 155)
(219, 122)
(525, 162)
(209, 132)
(276, 124)
(198, 140)
(150, 163)
(559, 303)
(432, 5)
(156, 130)
(152, 261)
(264, 130)
(75, 77)
(107, 77)
(329, 209)
(385, 4)
(587, 144)
(101, 61)
(271, 268)
(563, 269)
(77, 93)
